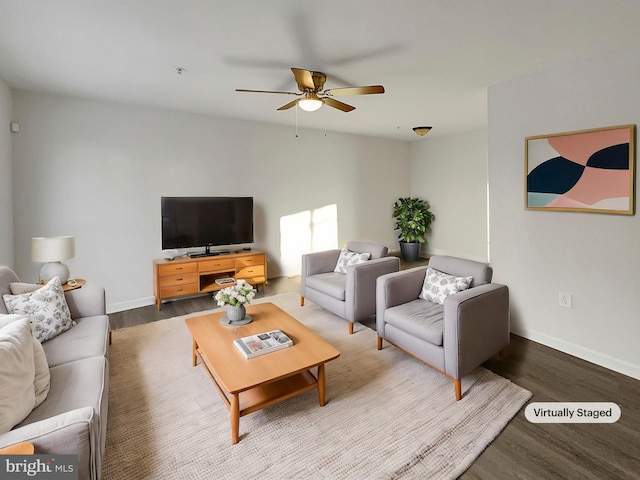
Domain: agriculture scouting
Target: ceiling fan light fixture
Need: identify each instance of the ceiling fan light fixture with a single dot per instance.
(310, 104)
(422, 131)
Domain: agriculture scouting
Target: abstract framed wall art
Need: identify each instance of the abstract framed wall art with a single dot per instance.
(583, 171)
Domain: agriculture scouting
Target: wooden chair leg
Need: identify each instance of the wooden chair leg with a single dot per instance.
(301, 301)
(457, 385)
(379, 343)
(109, 337)
(350, 328)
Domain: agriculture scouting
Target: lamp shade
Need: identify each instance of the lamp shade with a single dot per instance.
(310, 105)
(310, 102)
(52, 249)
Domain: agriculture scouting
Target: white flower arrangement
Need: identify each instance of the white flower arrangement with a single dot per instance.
(239, 294)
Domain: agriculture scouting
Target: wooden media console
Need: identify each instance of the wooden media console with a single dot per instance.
(190, 276)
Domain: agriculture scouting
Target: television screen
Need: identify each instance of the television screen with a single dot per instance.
(206, 221)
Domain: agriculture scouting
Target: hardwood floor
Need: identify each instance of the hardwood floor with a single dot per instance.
(523, 450)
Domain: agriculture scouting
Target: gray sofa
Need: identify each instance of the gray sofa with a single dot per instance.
(455, 337)
(73, 418)
(350, 295)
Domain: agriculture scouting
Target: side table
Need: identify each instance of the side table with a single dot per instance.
(24, 448)
(79, 283)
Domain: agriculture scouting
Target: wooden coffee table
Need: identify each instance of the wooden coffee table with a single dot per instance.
(248, 385)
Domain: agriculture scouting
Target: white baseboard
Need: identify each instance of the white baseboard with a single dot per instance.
(130, 304)
(607, 361)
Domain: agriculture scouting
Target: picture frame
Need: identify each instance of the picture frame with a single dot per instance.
(581, 171)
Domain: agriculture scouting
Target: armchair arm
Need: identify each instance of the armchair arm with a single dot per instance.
(73, 432)
(317, 262)
(476, 326)
(86, 302)
(360, 288)
(395, 289)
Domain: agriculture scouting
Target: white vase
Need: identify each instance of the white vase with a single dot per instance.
(235, 314)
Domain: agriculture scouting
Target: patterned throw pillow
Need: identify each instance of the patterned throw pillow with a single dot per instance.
(347, 257)
(438, 285)
(46, 308)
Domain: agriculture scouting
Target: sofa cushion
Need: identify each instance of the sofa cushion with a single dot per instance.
(439, 285)
(89, 338)
(42, 377)
(73, 385)
(17, 371)
(46, 308)
(347, 257)
(419, 318)
(19, 288)
(332, 284)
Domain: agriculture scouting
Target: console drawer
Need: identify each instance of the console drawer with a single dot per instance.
(218, 265)
(250, 272)
(176, 268)
(177, 290)
(249, 261)
(180, 279)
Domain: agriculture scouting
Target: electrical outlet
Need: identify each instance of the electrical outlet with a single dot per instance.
(565, 300)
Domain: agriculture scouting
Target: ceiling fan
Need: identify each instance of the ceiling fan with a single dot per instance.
(311, 86)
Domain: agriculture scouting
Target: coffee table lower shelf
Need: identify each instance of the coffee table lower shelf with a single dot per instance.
(248, 401)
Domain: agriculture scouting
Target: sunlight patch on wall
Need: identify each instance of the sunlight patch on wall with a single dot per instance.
(308, 231)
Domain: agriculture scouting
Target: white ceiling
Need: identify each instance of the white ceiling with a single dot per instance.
(435, 58)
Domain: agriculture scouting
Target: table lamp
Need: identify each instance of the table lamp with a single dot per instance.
(52, 250)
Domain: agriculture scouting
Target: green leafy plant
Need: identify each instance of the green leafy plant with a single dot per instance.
(413, 218)
(239, 294)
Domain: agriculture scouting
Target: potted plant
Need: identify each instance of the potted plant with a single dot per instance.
(413, 218)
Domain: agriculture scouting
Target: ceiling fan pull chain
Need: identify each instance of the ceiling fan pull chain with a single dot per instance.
(296, 123)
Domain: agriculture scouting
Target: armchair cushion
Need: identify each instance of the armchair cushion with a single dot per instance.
(439, 285)
(420, 318)
(332, 284)
(347, 257)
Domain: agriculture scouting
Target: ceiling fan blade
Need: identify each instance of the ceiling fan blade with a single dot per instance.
(304, 78)
(368, 90)
(266, 91)
(336, 104)
(289, 105)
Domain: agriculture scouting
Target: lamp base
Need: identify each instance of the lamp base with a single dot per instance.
(54, 269)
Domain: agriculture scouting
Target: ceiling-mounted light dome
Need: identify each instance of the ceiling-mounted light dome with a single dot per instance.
(422, 131)
(310, 102)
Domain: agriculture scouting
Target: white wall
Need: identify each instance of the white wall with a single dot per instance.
(97, 170)
(595, 257)
(450, 172)
(6, 203)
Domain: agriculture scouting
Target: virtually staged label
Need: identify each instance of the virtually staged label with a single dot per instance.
(572, 412)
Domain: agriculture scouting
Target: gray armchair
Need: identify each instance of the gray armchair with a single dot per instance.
(455, 337)
(350, 295)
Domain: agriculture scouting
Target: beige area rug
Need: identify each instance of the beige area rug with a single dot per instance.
(387, 416)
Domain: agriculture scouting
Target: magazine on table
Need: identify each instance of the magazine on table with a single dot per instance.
(256, 345)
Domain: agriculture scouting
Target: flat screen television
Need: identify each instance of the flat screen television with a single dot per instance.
(206, 222)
